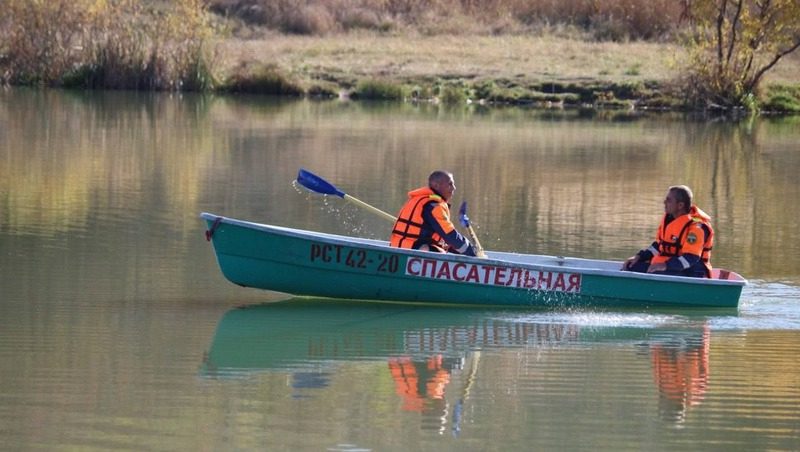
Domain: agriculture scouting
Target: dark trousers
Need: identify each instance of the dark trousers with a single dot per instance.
(641, 267)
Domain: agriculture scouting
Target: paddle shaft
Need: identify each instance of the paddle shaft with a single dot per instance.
(374, 210)
(476, 358)
(478, 248)
(458, 410)
(319, 185)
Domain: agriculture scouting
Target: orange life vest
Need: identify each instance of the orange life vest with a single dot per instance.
(407, 381)
(407, 231)
(682, 373)
(687, 234)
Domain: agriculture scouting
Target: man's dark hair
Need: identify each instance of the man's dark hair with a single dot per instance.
(682, 194)
(438, 176)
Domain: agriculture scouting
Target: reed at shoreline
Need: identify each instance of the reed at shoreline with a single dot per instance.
(117, 44)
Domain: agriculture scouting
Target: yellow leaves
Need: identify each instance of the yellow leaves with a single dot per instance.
(96, 7)
(737, 42)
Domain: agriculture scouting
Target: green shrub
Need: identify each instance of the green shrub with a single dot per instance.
(452, 94)
(328, 90)
(266, 80)
(377, 89)
(634, 70)
(421, 92)
(782, 98)
(506, 95)
(483, 89)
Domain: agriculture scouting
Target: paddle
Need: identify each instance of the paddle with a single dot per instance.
(462, 216)
(458, 409)
(319, 185)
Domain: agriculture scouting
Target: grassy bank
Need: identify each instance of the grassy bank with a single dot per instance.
(545, 70)
(507, 69)
(539, 53)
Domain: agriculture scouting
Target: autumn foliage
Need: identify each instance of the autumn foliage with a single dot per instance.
(735, 43)
(105, 43)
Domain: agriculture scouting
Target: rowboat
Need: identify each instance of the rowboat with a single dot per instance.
(308, 263)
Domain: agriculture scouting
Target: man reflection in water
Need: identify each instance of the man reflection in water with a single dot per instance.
(680, 369)
(422, 384)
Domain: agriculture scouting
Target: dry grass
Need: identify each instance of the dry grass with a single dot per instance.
(602, 19)
(539, 58)
(119, 44)
(346, 59)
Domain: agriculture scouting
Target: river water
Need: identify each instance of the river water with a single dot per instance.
(117, 330)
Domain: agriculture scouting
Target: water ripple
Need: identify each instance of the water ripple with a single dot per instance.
(764, 306)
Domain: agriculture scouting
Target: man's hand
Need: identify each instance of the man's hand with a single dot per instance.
(629, 262)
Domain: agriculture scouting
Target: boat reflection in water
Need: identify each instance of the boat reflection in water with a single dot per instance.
(433, 354)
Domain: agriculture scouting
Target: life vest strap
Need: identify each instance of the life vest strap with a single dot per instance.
(407, 230)
(406, 235)
(409, 222)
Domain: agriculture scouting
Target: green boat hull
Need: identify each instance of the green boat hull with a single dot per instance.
(314, 264)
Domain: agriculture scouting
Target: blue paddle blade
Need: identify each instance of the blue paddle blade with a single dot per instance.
(317, 184)
(462, 215)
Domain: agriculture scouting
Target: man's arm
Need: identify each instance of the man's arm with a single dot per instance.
(434, 215)
(642, 256)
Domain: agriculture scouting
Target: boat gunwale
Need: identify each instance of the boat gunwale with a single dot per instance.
(382, 246)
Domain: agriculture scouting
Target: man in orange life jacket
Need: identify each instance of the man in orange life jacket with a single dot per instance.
(683, 240)
(424, 221)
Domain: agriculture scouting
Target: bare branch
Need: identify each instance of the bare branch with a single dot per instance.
(734, 24)
(767, 19)
(760, 73)
(720, 23)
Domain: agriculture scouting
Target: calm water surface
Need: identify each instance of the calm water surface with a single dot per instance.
(117, 330)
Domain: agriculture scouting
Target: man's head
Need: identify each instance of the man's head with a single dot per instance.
(678, 200)
(442, 183)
